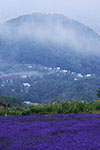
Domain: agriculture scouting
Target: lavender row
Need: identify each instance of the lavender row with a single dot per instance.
(50, 132)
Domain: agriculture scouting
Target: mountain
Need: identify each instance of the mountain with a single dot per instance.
(50, 40)
(46, 57)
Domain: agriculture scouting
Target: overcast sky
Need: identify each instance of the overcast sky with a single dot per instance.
(81, 10)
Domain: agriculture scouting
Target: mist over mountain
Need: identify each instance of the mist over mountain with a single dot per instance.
(50, 40)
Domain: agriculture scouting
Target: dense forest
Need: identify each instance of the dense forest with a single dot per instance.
(7, 101)
(49, 87)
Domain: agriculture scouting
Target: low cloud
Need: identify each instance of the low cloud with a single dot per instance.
(53, 28)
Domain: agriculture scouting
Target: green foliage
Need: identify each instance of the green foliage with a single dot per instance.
(13, 112)
(74, 107)
(53, 108)
(2, 112)
(7, 101)
(26, 112)
(97, 106)
(98, 94)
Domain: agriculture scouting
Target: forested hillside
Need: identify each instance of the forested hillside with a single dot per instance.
(32, 45)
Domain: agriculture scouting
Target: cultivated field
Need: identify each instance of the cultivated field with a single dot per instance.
(50, 132)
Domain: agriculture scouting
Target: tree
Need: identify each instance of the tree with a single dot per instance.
(98, 94)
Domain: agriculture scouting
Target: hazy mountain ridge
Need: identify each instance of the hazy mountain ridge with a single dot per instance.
(50, 40)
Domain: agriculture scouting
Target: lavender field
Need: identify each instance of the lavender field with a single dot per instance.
(50, 132)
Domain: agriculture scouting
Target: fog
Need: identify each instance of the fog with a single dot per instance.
(85, 11)
(55, 29)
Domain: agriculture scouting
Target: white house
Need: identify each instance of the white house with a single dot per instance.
(26, 84)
